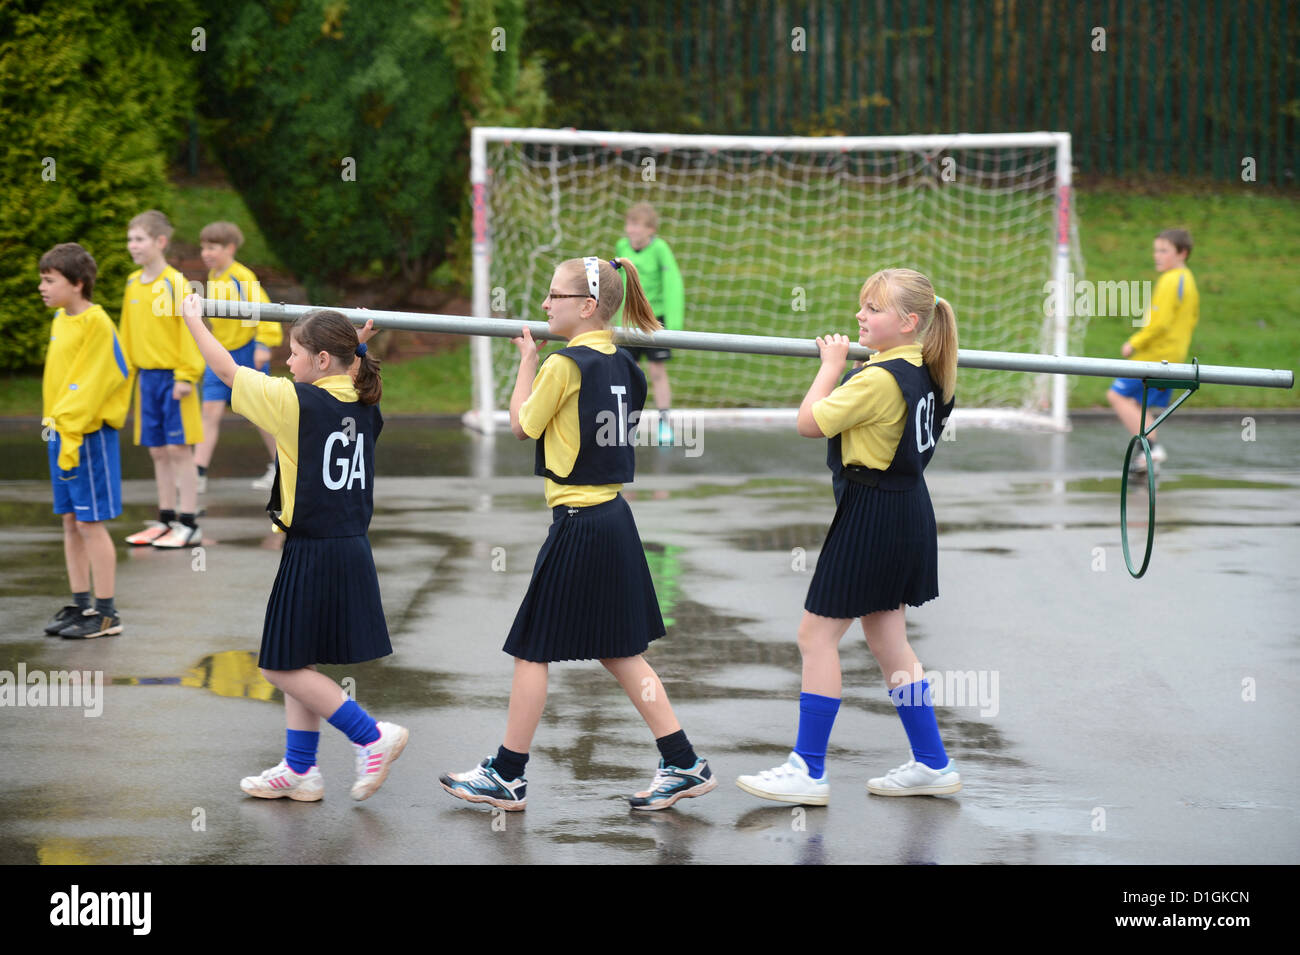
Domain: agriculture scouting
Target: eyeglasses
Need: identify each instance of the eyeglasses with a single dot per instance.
(569, 295)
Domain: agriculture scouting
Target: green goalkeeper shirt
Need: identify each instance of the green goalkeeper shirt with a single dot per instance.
(660, 279)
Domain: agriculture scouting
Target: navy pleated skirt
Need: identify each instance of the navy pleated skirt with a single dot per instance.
(591, 597)
(882, 551)
(324, 605)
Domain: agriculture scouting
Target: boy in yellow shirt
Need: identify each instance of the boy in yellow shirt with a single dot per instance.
(1165, 336)
(166, 368)
(249, 343)
(84, 399)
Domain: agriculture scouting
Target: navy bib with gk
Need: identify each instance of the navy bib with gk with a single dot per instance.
(921, 431)
(334, 496)
(609, 406)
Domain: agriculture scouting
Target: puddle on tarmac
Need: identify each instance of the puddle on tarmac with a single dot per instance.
(29, 653)
(1174, 482)
(763, 487)
(783, 538)
(38, 513)
(36, 569)
(955, 528)
(234, 673)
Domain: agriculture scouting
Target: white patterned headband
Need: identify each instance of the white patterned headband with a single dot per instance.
(592, 264)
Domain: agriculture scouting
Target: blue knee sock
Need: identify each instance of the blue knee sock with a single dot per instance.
(355, 723)
(916, 709)
(816, 717)
(300, 749)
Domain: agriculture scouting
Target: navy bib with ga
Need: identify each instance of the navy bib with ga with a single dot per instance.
(334, 496)
(609, 405)
(921, 430)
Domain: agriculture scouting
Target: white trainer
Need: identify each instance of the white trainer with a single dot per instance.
(280, 780)
(916, 779)
(179, 536)
(788, 783)
(152, 531)
(375, 759)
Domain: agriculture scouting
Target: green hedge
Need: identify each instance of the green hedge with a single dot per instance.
(94, 97)
(345, 126)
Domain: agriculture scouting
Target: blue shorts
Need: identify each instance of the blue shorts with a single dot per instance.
(1132, 388)
(160, 413)
(214, 389)
(92, 491)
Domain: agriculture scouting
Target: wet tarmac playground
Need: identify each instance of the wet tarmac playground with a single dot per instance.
(1094, 718)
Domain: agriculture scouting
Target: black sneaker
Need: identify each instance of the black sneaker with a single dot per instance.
(484, 784)
(92, 624)
(62, 619)
(672, 783)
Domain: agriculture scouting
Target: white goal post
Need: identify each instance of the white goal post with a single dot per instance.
(775, 235)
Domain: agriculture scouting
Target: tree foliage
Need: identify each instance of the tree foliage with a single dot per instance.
(344, 126)
(94, 97)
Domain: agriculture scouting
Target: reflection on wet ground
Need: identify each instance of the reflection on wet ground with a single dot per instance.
(1117, 707)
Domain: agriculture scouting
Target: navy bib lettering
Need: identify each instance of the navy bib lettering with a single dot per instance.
(334, 495)
(922, 428)
(609, 407)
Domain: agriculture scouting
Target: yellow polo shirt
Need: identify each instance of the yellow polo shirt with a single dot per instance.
(85, 385)
(868, 411)
(151, 329)
(272, 404)
(238, 284)
(552, 407)
(1175, 309)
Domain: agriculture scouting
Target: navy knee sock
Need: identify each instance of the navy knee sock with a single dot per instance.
(676, 750)
(509, 764)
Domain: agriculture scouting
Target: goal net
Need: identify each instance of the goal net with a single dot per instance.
(775, 236)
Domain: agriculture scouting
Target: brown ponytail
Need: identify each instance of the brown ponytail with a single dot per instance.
(327, 331)
(370, 386)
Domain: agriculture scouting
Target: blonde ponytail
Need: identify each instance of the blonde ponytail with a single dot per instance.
(939, 348)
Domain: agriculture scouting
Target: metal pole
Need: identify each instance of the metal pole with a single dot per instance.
(816, 144)
(480, 353)
(1064, 280)
(765, 345)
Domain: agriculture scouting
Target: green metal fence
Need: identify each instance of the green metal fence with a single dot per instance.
(1200, 88)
